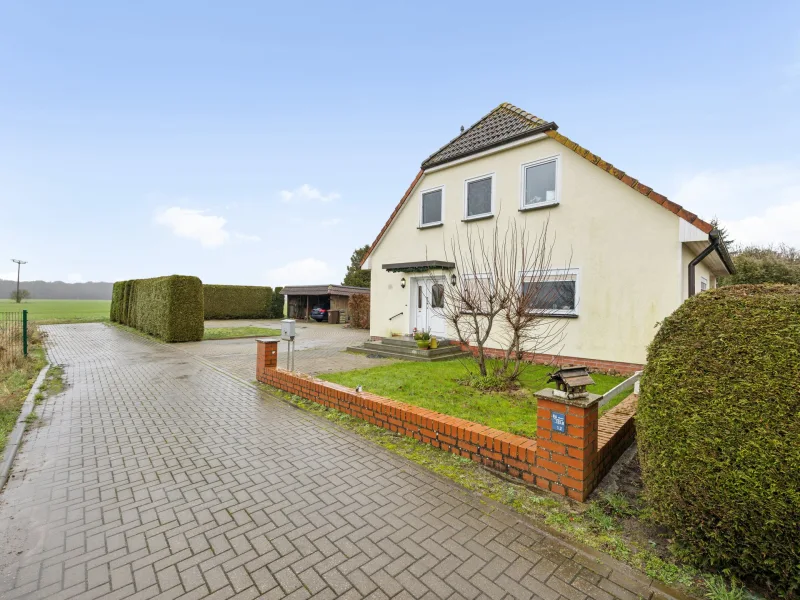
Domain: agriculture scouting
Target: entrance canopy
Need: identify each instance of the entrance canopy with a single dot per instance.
(419, 266)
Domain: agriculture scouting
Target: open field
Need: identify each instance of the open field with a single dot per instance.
(60, 311)
(435, 386)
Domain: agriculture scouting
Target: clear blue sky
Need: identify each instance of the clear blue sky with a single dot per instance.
(130, 131)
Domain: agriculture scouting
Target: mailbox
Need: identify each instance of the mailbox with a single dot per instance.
(287, 329)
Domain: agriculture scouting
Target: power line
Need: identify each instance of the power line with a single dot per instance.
(19, 266)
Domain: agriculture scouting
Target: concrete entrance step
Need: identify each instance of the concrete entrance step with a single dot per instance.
(405, 349)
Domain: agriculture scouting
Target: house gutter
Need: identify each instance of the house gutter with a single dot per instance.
(715, 239)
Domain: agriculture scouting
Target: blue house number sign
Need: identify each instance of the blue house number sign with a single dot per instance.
(559, 421)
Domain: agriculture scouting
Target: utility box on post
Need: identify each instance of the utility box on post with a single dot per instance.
(287, 330)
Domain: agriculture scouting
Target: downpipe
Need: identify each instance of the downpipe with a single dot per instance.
(715, 239)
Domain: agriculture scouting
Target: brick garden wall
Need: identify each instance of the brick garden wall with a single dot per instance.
(570, 464)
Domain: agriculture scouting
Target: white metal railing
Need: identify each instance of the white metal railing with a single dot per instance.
(630, 382)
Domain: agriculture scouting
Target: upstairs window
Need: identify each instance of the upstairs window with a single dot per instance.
(431, 209)
(552, 292)
(539, 183)
(478, 196)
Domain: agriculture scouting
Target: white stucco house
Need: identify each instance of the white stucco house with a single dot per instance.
(630, 250)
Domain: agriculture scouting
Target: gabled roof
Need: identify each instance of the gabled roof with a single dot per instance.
(506, 124)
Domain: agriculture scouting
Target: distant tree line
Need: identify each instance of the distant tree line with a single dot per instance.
(57, 290)
(764, 264)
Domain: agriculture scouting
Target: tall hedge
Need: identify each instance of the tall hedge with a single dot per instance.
(276, 311)
(170, 308)
(237, 301)
(116, 300)
(125, 307)
(719, 431)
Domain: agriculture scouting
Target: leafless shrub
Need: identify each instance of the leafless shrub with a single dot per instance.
(505, 281)
(358, 309)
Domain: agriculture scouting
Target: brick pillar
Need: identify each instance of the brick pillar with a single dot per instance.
(267, 357)
(566, 444)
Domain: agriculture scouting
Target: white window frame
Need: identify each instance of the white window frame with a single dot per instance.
(557, 273)
(467, 216)
(704, 280)
(432, 223)
(556, 158)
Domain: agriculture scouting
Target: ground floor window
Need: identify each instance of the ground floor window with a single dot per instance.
(552, 292)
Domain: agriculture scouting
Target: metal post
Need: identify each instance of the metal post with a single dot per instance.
(25, 333)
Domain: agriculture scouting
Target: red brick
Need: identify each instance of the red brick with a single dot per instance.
(551, 466)
(540, 472)
(552, 446)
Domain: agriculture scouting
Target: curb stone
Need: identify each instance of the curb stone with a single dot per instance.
(15, 439)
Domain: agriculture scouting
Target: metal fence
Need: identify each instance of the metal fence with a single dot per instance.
(13, 334)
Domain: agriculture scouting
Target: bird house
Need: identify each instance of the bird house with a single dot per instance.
(571, 382)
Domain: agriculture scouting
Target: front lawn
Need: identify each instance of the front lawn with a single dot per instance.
(435, 386)
(225, 333)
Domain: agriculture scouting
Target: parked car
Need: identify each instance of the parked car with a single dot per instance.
(319, 314)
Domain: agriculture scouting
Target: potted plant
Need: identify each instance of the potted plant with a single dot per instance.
(423, 339)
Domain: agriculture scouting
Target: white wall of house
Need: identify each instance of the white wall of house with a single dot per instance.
(631, 264)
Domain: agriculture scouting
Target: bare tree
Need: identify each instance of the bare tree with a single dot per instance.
(537, 296)
(506, 284)
(472, 305)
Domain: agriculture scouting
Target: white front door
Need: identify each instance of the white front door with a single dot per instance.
(429, 305)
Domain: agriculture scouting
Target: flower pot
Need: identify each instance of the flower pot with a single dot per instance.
(423, 344)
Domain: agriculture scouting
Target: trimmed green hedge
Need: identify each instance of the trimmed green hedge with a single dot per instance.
(276, 310)
(116, 300)
(237, 301)
(718, 424)
(170, 308)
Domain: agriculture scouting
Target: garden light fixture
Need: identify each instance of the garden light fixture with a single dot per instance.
(403, 282)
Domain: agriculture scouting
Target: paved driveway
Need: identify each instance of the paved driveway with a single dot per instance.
(155, 475)
(319, 348)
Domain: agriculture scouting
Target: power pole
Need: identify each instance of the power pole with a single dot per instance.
(19, 265)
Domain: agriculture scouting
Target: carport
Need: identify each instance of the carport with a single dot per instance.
(300, 299)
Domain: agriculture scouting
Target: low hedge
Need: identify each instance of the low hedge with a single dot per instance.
(718, 424)
(170, 308)
(237, 301)
(358, 309)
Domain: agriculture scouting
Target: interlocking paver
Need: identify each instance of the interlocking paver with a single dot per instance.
(155, 475)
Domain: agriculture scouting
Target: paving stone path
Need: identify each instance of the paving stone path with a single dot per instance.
(319, 348)
(156, 475)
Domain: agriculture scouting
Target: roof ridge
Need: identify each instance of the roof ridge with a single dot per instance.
(503, 106)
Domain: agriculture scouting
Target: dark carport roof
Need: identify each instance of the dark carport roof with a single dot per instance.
(322, 290)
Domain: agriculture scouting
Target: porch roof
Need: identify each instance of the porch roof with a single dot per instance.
(418, 266)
